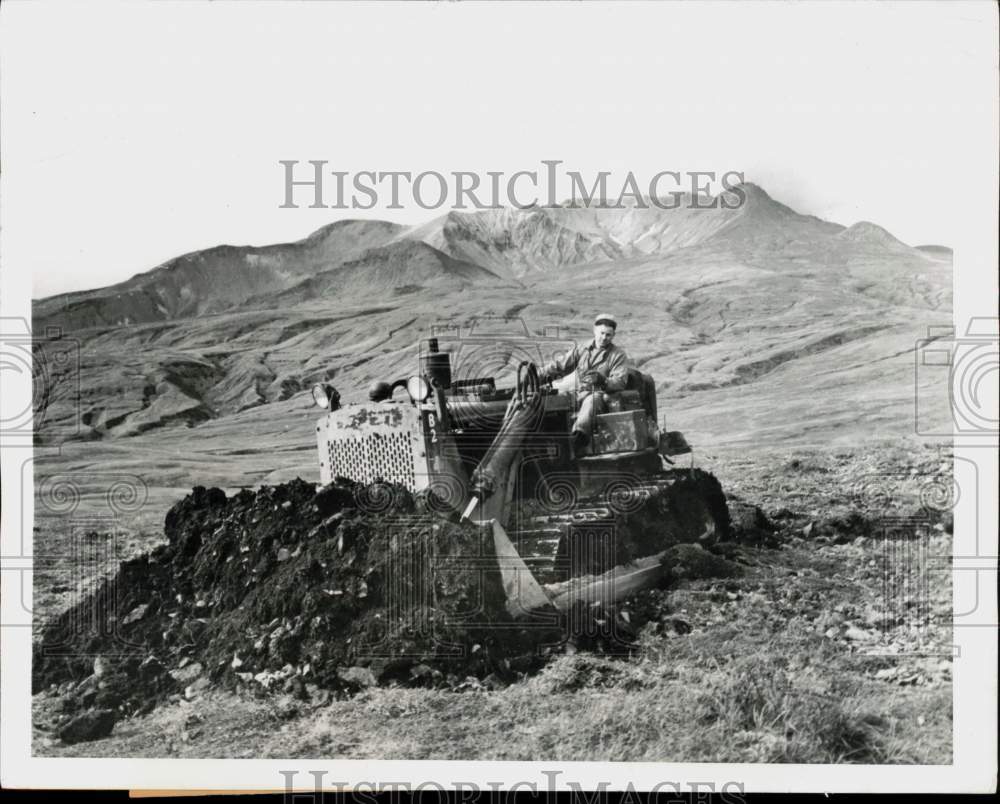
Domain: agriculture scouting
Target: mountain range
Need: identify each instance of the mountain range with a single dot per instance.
(490, 247)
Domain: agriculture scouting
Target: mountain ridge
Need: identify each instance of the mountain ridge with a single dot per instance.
(213, 279)
(495, 245)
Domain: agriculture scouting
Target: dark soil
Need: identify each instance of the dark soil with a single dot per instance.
(284, 587)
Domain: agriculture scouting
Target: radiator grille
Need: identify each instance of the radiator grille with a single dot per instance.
(377, 455)
(365, 443)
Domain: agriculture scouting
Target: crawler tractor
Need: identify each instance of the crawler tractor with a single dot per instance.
(566, 526)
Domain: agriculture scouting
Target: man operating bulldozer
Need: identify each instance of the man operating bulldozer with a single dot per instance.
(601, 368)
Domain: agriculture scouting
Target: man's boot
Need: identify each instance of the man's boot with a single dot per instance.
(579, 441)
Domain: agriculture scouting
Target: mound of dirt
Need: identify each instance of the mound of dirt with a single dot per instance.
(288, 587)
(750, 525)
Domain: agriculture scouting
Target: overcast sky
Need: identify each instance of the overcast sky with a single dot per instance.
(132, 134)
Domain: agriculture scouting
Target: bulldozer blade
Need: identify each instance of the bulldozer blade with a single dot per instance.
(610, 587)
(614, 585)
(524, 594)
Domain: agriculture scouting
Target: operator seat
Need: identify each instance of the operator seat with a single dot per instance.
(646, 386)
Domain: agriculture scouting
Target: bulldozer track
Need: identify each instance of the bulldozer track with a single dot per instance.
(599, 534)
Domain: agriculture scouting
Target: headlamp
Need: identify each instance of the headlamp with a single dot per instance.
(418, 388)
(325, 396)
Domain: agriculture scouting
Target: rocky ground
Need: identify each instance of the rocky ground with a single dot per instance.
(820, 633)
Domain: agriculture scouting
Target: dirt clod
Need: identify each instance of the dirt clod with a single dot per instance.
(691, 561)
(91, 725)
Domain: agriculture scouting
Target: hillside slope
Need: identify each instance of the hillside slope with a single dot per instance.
(401, 267)
(212, 280)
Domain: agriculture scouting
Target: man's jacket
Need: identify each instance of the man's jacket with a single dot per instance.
(611, 362)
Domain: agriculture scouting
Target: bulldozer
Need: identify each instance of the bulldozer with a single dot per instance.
(569, 525)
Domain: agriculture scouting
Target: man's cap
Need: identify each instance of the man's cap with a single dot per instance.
(606, 318)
